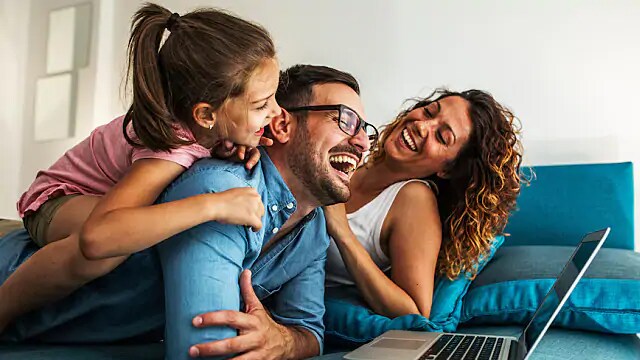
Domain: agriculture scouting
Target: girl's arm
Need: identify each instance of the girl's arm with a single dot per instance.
(125, 221)
(414, 241)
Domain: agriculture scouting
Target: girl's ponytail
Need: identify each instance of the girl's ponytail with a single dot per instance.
(208, 57)
(154, 123)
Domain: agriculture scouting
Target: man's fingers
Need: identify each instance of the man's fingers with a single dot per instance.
(234, 319)
(234, 345)
(251, 301)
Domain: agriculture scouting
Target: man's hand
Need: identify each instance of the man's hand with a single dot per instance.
(259, 337)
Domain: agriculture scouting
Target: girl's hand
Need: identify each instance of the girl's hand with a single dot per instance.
(337, 223)
(240, 206)
(238, 153)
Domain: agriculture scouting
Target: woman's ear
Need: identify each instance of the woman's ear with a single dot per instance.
(281, 127)
(204, 115)
(443, 174)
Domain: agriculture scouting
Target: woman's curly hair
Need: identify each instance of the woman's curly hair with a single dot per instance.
(483, 182)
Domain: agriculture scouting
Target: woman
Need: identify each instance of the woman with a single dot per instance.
(438, 186)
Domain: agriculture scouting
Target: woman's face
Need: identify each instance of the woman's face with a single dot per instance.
(429, 137)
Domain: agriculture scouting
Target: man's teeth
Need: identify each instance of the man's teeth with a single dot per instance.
(348, 164)
(408, 140)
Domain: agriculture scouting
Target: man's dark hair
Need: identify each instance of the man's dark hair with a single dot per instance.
(296, 83)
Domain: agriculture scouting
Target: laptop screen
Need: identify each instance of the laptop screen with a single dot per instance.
(560, 288)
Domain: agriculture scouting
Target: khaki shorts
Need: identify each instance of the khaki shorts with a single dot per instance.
(37, 223)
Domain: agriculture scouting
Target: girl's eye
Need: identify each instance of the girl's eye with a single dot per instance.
(264, 106)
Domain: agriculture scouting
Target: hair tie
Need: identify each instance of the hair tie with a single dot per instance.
(173, 19)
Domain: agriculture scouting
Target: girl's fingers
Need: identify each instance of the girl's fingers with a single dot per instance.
(264, 141)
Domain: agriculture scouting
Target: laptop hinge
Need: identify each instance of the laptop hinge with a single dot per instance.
(513, 350)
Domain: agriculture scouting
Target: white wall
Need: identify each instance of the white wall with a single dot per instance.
(568, 69)
(13, 40)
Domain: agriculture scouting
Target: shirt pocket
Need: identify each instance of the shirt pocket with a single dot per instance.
(263, 292)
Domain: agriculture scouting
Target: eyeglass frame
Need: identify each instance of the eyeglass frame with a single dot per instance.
(340, 107)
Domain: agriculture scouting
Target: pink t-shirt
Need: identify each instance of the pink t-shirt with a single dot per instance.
(97, 163)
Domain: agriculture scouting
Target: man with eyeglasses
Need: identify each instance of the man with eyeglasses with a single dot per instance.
(213, 305)
(319, 139)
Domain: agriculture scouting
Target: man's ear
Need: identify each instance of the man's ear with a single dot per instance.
(204, 115)
(281, 127)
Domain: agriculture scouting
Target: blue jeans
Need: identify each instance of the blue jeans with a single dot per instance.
(126, 303)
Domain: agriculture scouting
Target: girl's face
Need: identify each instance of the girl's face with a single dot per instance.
(242, 119)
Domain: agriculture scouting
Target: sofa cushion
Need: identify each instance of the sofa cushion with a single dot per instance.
(348, 319)
(510, 288)
(564, 202)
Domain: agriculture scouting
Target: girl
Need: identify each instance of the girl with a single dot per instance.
(214, 78)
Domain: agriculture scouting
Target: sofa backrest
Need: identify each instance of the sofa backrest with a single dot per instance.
(564, 202)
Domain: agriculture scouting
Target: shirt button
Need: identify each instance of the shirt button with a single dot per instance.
(290, 206)
(274, 208)
(275, 230)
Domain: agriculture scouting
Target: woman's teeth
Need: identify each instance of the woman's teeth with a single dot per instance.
(407, 140)
(345, 164)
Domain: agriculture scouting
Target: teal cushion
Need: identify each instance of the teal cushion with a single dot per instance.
(510, 288)
(348, 319)
(567, 201)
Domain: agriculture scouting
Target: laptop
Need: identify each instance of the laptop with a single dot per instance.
(413, 345)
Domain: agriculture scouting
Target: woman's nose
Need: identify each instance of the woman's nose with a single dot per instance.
(422, 127)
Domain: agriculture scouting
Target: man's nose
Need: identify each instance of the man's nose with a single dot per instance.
(361, 141)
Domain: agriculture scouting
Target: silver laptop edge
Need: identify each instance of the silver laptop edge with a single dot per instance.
(520, 350)
(564, 299)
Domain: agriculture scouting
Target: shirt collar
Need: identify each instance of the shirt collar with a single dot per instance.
(274, 183)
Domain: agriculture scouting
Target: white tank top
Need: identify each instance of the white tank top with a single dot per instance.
(366, 225)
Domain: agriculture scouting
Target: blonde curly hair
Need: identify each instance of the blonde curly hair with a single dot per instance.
(483, 182)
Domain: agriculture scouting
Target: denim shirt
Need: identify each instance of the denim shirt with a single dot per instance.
(202, 265)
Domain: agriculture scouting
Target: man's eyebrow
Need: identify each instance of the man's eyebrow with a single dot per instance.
(263, 99)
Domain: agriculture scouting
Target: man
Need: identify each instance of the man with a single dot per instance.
(317, 143)
(307, 167)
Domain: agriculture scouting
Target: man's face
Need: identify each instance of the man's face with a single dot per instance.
(321, 155)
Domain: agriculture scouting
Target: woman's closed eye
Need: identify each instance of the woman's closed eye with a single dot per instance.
(431, 109)
(427, 113)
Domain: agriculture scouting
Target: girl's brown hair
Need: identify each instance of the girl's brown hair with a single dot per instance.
(484, 180)
(208, 57)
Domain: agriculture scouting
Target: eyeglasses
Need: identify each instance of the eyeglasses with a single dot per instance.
(348, 119)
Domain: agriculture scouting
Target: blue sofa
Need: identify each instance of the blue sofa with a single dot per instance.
(561, 205)
(554, 212)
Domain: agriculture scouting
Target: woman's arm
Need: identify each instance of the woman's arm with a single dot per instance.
(414, 230)
(125, 221)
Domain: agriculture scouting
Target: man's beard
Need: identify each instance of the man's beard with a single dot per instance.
(307, 164)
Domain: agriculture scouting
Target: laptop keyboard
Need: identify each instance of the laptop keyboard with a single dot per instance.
(464, 347)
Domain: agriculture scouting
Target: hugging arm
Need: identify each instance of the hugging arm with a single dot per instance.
(414, 241)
